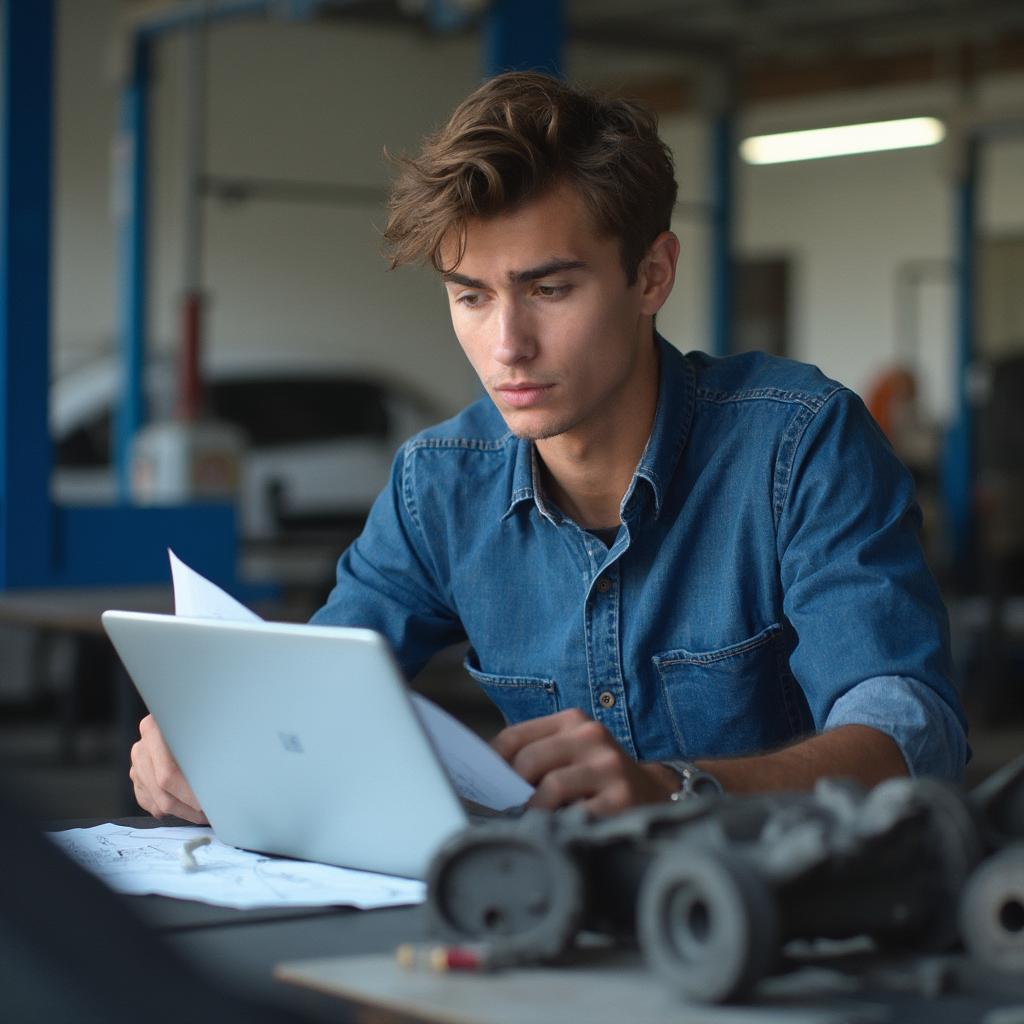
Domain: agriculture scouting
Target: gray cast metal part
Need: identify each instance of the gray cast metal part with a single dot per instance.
(712, 888)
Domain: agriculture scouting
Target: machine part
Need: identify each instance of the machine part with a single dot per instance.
(507, 884)
(1000, 803)
(952, 848)
(992, 911)
(712, 888)
(707, 923)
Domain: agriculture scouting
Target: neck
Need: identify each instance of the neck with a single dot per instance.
(587, 474)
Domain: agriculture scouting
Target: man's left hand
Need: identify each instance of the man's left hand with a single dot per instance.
(570, 758)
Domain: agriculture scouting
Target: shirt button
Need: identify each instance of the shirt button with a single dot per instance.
(604, 585)
(607, 699)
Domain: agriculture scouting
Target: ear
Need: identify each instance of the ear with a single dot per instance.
(657, 272)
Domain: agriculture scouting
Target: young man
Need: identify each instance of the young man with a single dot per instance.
(655, 558)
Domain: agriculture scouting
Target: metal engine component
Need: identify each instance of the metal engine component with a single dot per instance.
(992, 911)
(708, 923)
(716, 907)
(712, 888)
(509, 884)
(527, 886)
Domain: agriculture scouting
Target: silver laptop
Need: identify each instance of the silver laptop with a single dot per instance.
(297, 740)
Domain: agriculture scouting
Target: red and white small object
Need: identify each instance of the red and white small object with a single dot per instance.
(450, 958)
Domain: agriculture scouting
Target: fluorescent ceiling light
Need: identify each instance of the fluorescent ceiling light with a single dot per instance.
(842, 140)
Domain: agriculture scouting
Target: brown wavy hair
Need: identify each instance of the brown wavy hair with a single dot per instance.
(510, 141)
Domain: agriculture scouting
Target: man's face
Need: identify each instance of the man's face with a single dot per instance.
(540, 305)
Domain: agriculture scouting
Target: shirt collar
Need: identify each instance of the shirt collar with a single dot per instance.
(677, 396)
(526, 485)
(523, 476)
(677, 388)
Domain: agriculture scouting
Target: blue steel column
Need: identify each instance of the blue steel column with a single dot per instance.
(523, 35)
(133, 147)
(722, 263)
(26, 515)
(959, 461)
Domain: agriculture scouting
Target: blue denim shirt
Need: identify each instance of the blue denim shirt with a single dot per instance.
(766, 581)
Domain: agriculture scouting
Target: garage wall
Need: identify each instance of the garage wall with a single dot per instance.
(287, 280)
(849, 224)
(317, 103)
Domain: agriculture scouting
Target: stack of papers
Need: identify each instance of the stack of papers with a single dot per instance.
(147, 861)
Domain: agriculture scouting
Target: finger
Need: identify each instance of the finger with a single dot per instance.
(142, 797)
(140, 774)
(625, 785)
(512, 739)
(538, 759)
(162, 804)
(564, 786)
(166, 772)
(612, 798)
(168, 806)
(159, 775)
(580, 740)
(175, 796)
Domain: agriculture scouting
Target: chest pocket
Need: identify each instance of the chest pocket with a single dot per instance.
(518, 698)
(731, 701)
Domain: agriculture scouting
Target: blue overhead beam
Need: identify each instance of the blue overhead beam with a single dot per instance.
(185, 15)
(524, 35)
(26, 515)
(208, 12)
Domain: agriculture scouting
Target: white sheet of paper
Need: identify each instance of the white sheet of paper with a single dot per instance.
(195, 597)
(146, 861)
(477, 772)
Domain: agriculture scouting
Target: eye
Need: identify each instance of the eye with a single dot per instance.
(553, 291)
(469, 299)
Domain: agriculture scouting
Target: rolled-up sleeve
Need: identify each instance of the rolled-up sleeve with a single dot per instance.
(923, 725)
(872, 632)
(387, 582)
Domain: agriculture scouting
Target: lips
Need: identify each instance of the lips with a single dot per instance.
(521, 396)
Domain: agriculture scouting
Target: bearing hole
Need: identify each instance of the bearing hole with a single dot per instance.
(493, 918)
(1011, 915)
(698, 920)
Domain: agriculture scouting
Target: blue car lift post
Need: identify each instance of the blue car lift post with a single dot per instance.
(43, 544)
(958, 467)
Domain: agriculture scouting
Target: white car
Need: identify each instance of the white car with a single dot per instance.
(320, 440)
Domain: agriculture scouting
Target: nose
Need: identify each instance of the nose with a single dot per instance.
(514, 340)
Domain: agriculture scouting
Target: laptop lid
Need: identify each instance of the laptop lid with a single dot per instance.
(298, 740)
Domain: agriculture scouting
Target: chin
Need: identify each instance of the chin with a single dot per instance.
(535, 431)
(537, 424)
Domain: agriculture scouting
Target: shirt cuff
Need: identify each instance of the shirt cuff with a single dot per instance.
(925, 728)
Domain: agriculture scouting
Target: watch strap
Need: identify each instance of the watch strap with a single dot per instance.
(693, 781)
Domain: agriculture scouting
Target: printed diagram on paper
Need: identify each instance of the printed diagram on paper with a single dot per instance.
(148, 861)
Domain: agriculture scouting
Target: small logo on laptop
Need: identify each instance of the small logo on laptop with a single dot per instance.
(291, 742)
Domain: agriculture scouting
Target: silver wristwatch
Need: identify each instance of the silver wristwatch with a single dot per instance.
(693, 781)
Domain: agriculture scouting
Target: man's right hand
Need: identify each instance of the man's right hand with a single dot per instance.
(160, 788)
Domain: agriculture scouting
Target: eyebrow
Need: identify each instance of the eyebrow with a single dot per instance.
(554, 266)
